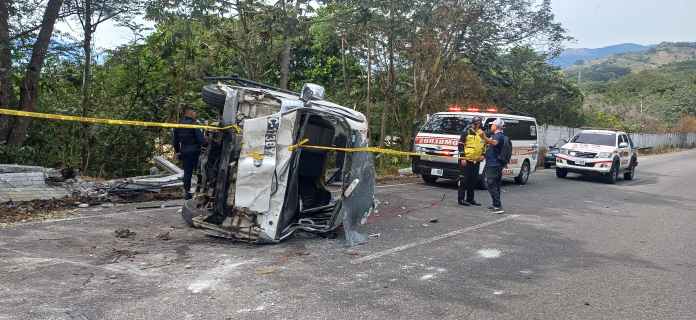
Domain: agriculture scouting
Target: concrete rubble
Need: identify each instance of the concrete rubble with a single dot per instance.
(20, 183)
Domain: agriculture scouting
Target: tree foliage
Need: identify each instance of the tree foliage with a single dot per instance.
(394, 60)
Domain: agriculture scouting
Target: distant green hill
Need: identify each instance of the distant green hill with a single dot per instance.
(569, 57)
(650, 89)
(619, 65)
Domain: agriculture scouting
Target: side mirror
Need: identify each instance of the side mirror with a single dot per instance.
(623, 145)
(311, 91)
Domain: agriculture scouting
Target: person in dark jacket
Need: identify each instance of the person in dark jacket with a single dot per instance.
(471, 148)
(494, 166)
(187, 145)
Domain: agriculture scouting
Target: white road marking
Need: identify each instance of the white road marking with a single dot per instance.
(387, 252)
(92, 216)
(211, 278)
(427, 277)
(397, 185)
(489, 253)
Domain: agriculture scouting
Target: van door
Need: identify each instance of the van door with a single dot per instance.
(525, 148)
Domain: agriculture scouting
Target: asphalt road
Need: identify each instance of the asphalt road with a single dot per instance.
(567, 249)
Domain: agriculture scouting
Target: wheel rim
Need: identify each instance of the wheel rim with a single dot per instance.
(525, 172)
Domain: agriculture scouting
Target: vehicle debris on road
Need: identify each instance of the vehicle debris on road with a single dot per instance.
(124, 233)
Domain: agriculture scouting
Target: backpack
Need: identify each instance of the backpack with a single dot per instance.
(505, 151)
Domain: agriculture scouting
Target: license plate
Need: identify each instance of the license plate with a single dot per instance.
(436, 172)
(580, 162)
(507, 172)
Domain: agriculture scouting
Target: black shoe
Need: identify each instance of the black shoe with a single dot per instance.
(474, 203)
(497, 210)
(463, 203)
(491, 208)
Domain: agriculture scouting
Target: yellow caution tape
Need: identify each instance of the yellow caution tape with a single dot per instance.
(19, 113)
(302, 144)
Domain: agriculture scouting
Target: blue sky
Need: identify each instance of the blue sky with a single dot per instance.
(593, 23)
(598, 23)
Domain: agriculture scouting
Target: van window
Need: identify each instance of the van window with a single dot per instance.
(520, 129)
(446, 124)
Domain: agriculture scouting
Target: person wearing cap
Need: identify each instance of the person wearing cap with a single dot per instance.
(471, 147)
(494, 167)
(187, 145)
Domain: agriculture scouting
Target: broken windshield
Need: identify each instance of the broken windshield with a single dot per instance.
(446, 124)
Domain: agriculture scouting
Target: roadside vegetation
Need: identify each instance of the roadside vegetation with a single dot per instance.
(396, 61)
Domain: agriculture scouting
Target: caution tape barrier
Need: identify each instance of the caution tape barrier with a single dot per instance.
(49, 116)
(303, 144)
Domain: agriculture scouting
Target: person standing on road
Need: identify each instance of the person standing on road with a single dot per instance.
(187, 145)
(494, 165)
(471, 147)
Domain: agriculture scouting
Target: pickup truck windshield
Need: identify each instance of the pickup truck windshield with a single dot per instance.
(604, 139)
(446, 124)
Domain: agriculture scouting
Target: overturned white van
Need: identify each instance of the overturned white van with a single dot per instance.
(258, 186)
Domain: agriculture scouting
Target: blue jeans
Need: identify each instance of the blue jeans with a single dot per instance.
(494, 178)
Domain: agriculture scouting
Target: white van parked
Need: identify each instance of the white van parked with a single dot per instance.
(438, 139)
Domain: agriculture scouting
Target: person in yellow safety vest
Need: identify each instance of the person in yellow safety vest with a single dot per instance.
(471, 149)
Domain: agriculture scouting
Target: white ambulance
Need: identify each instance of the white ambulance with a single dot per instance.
(437, 142)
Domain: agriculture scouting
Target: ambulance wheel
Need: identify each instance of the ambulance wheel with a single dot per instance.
(561, 173)
(523, 177)
(429, 179)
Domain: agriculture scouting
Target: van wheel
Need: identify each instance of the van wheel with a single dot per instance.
(561, 173)
(523, 177)
(429, 179)
(213, 96)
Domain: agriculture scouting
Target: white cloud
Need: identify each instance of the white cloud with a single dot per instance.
(109, 34)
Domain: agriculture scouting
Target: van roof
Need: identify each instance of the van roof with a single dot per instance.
(489, 115)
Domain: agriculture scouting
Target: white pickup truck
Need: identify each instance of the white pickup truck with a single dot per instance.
(600, 152)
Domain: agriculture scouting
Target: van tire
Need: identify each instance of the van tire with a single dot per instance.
(213, 96)
(525, 171)
(429, 179)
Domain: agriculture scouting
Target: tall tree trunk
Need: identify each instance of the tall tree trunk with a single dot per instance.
(391, 91)
(285, 63)
(5, 65)
(285, 54)
(85, 101)
(346, 84)
(29, 91)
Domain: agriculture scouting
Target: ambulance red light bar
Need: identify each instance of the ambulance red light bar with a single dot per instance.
(492, 110)
(454, 108)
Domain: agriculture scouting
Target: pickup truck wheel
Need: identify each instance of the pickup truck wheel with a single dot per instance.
(523, 177)
(429, 179)
(631, 173)
(613, 174)
(561, 173)
(213, 96)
